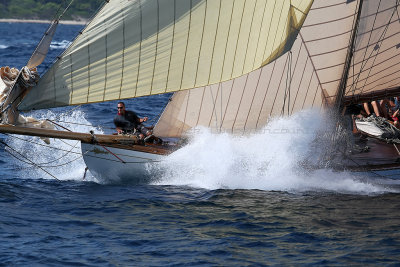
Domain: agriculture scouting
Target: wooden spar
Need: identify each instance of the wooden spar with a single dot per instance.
(83, 137)
(375, 95)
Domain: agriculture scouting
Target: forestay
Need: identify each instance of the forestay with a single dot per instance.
(145, 47)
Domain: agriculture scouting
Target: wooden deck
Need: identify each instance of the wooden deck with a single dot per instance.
(380, 156)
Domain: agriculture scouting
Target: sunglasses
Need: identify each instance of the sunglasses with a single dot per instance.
(120, 107)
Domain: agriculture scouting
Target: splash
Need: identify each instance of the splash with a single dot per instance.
(272, 159)
(61, 159)
(3, 46)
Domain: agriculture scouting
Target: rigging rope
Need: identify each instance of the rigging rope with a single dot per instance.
(390, 133)
(365, 60)
(288, 83)
(29, 161)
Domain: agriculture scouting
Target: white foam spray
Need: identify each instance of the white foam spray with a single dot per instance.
(60, 45)
(61, 158)
(269, 160)
(3, 46)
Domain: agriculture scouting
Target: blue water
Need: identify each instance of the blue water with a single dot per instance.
(209, 206)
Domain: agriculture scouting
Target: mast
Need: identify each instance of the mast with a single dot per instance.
(349, 57)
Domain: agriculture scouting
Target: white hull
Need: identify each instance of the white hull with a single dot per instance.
(110, 164)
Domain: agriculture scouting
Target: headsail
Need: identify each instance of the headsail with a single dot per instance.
(43, 47)
(306, 76)
(145, 47)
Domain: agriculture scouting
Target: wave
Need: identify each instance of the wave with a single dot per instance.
(54, 45)
(272, 159)
(62, 159)
(60, 45)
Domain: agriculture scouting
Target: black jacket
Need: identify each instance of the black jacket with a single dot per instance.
(128, 121)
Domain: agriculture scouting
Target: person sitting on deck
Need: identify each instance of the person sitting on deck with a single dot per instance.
(127, 122)
(375, 108)
(394, 112)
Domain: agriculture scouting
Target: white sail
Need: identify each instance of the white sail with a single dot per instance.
(43, 47)
(145, 47)
(374, 65)
(306, 76)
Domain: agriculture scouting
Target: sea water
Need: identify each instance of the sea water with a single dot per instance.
(220, 200)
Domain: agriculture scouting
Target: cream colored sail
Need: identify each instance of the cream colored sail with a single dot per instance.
(307, 76)
(145, 47)
(374, 65)
(43, 47)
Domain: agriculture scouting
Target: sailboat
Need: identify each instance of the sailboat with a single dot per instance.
(231, 65)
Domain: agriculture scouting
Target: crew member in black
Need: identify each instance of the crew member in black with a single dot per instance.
(127, 121)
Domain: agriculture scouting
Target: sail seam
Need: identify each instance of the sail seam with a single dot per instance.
(54, 85)
(273, 43)
(254, 96)
(294, 69)
(105, 64)
(172, 48)
(329, 52)
(315, 95)
(201, 45)
(298, 9)
(155, 53)
(237, 41)
(328, 37)
(248, 37)
(88, 71)
(226, 43)
(140, 45)
(201, 105)
(266, 92)
(215, 40)
(279, 85)
(223, 61)
(301, 79)
(329, 21)
(259, 34)
(240, 102)
(309, 82)
(323, 7)
(311, 60)
(187, 43)
(123, 51)
(72, 80)
(227, 104)
(287, 87)
(247, 77)
(213, 109)
(186, 109)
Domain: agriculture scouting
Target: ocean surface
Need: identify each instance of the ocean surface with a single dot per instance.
(219, 201)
